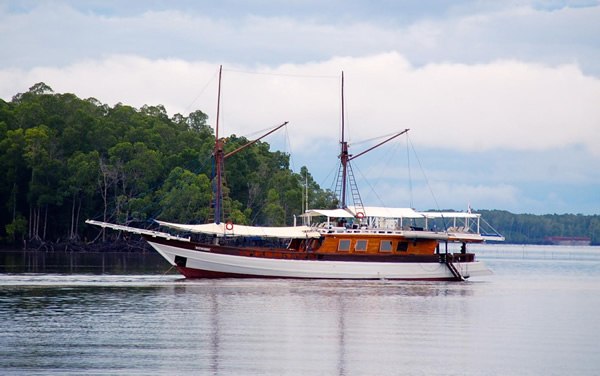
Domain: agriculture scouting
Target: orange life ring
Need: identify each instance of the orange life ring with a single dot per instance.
(360, 215)
(229, 226)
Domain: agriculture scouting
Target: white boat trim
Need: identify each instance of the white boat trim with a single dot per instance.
(318, 269)
(493, 238)
(466, 237)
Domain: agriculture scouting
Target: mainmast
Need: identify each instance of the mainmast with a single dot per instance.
(346, 175)
(344, 153)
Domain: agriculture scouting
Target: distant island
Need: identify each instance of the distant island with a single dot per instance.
(575, 229)
(569, 240)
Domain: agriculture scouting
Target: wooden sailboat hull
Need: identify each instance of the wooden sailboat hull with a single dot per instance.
(205, 262)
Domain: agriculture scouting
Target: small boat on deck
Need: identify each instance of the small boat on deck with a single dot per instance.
(350, 242)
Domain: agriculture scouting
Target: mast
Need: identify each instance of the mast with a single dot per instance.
(219, 160)
(344, 157)
(220, 156)
(346, 175)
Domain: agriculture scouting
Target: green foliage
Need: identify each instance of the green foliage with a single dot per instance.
(83, 172)
(185, 196)
(16, 229)
(64, 159)
(273, 209)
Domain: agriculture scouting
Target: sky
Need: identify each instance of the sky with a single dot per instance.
(502, 98)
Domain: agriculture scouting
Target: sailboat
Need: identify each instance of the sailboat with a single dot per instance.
(349, 242)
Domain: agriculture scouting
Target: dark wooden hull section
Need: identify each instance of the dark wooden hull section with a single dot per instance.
(284, 253)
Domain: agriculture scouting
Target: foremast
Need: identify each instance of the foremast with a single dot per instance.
(220, 156)
(219, 161)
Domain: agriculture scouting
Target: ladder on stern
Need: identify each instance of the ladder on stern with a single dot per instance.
(447, 259)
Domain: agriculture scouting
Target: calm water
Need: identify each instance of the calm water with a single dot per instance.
(539, 314)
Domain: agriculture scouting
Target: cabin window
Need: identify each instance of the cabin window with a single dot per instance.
(385, 246)
(344, 245)
(402, 247)
(361, 245)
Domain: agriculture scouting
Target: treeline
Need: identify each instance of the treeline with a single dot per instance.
(535, 229)
(64, 159)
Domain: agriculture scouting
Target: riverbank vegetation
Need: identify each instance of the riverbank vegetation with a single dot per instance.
(64, 159)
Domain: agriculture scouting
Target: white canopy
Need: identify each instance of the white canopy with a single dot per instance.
(230, 229)
(450, 215)
(384, 212)
(368, 211)
(331, 213)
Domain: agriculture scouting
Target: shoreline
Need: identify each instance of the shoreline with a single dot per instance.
(125, 246)
(110, 260)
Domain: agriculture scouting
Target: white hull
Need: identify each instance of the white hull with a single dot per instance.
(284, 268)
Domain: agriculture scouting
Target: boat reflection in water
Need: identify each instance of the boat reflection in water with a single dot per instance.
(336, 326)
(165, 324)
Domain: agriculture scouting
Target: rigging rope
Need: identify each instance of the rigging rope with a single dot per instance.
(281, 74)
(410, 188)
(437, 206)
(374, 139)
(370, 186)
(214, 76)
(288, 146)
(424, 175)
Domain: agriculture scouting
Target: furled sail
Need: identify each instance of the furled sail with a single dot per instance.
(230, 229)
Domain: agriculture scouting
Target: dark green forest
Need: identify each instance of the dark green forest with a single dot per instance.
(64, 159)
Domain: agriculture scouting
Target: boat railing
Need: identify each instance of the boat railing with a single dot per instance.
(330, 229)
(463, 229)
(457, 257)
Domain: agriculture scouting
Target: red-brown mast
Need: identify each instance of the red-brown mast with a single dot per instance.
(344, 153)
(219, 160)
(346, 169)
(220, 156)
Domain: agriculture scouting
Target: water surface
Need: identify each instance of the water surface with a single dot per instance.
(537, 315)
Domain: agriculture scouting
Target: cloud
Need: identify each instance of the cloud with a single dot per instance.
(504, 105)
(445, 195)
(478, 196)
(509, 88)
(271, 34)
